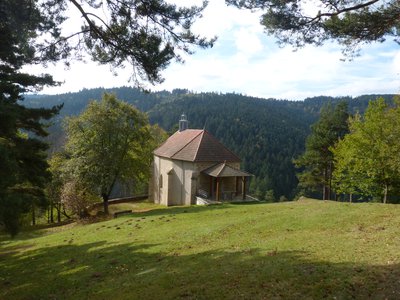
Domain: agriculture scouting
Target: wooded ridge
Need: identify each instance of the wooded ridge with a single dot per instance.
(266, 133)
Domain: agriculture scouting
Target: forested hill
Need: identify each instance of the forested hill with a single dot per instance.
(266, 133)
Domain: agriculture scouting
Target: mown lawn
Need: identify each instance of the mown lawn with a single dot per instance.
(296, 250)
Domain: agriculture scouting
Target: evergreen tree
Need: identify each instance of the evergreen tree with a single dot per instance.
(146, 35)
(350, 22)
(317, 160)
(143, 35)
(23, 157)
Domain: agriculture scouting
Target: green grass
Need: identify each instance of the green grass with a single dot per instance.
(306, 249)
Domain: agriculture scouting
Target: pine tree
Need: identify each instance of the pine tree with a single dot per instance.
(317, 160)
(145, 35)
(351, 22)
(23, 155)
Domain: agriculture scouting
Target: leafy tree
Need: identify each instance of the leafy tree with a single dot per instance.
(109, 142)
(54, 188)
(76, 197)
(269, 196)
(367, 158)
(317, 160)
(146, 35)
(350, 22)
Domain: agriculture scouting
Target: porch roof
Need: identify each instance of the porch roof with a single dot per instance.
(224, 170)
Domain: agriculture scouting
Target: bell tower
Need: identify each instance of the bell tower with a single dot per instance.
(183, 123)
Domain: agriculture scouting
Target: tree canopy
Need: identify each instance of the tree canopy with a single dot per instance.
(317, 161)
(350, 22)
(23, 155)
(142, 35)
(109, 142)
(367, 159)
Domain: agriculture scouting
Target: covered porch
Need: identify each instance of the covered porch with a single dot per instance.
(222, 182)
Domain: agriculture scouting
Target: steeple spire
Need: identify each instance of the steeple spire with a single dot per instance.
(183, 123)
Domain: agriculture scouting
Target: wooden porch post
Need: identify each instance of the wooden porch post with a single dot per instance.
(243, 188)
(217, 196)
(237, 187)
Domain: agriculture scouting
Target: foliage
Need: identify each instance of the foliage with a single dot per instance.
(146, 35)
(265, 133)
(54, 187)
(76, 197)
(109, 142)
(143, 35)
(350, 22)
(304, 250)
(23, 171)
(317, 160)
(367, 158)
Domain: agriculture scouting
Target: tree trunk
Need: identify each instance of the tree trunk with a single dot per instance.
(65, 213)
(385, 192)
(51, 212)
(351, 197)
(325, 192)
(325, 187)
(105, 203)
(330, 181)
(33, 215)
(59, 213)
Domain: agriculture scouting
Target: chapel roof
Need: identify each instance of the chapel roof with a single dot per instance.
(195, 145)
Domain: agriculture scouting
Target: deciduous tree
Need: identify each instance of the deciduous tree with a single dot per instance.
(109, 142)
(142, 35)
(367, 158)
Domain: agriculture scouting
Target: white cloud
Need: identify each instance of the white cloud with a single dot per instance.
(396, 63)
(247, 42)
(247, 61)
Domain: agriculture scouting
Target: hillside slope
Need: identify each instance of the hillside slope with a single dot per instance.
(294, 250)
(266, 133)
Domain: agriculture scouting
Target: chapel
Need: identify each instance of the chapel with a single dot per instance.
(193, 167)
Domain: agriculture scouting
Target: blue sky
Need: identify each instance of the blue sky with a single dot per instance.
(245, 60)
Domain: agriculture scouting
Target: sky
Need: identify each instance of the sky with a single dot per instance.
(246, 60)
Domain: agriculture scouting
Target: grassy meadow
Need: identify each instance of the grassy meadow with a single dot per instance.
(306, 249)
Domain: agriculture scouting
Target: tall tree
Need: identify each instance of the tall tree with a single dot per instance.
(109, 142)
(23, 157)
(350, 22)
(367, 158)
(145, 35)
(317, 160)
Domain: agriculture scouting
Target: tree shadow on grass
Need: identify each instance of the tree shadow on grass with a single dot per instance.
(103, 270)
